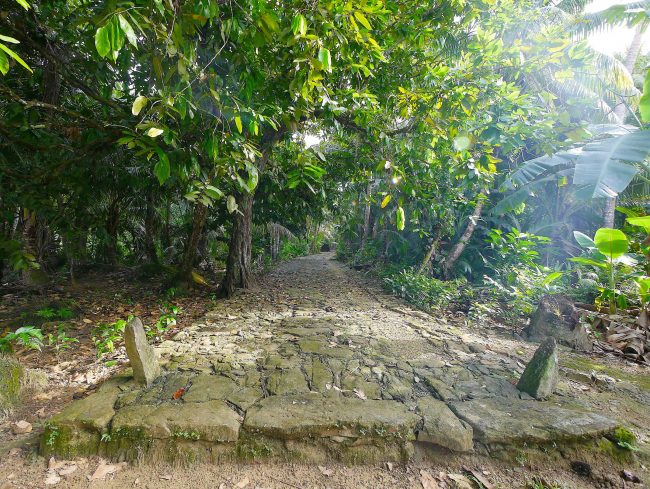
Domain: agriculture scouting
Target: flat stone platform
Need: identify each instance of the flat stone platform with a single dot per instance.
(316, 365)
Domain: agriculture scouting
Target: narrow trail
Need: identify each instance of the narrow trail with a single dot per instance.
(316, 364)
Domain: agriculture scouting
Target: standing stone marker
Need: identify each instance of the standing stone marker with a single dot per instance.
(141, 354)
(541, 374)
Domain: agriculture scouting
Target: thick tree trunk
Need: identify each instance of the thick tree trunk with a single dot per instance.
(184, 274)
(630, 60)
(609, 213)
(238, 266)
(150, 231)
(459, 247)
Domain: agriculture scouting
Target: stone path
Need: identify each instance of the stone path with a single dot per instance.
(315, 364)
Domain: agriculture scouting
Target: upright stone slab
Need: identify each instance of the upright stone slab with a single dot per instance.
(141, 354)
(541, 374)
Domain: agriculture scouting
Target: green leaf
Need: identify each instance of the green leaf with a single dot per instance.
(588, 261)
(299, 25)
(231, 204)
(325, 58)
(154, 132)
(102, 41)
(644, 103)
(644, 222)
(551, 277)
(362, 20)
(400, 218)
(162, 169)
(9, 39)
(4, 63)
(23, 4)
(139, 104)
(16, 57)
(584, 240)
(385, 202)
(213, 192)
(238, 123)
(128, 31)
(611, 242)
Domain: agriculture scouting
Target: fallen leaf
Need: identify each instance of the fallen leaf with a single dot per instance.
(242, 483)
(461, 481)
(21, 427)
(359, 393)
(104, 469)
(389, 466)
(68, 470)
(325, 471)
(427, 480)
(178, 394)
(479, 477)
(52, 478)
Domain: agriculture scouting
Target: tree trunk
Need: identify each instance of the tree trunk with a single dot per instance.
(431, 252)
(366, 217)
(610, 212)
(112, 225)
(459, 247)
(166, 237)
(630, 60)
(184, 274)
(150, 231)
(238, 265)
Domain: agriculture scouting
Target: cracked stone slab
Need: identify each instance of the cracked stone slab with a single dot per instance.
(442, 427)
(95, 411)
(210, 421)
(500, 421)
(315, 415)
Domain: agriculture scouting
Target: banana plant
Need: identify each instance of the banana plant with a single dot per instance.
(601, 168)
(606, 251)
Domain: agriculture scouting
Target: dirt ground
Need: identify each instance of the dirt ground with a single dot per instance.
(103, 298)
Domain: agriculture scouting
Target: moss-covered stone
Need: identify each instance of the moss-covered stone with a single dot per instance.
(315, 415)
(11, 373)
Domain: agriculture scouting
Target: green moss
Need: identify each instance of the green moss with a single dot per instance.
(624, 438)
(11, 374)
(585, 364)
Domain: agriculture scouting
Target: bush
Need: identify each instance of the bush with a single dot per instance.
(293, 248)
(428, 293)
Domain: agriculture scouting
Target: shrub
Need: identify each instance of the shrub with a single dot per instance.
(425, 292)
(293, 248)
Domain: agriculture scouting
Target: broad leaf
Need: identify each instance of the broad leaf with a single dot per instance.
(604, 166)
(584, 240)
(102, 41)
(385, 202)
(400, 218)
(162, 169)
(644, 103)
(154, 132)
(325, 58)
(644, 222)
(231, 204)
(139, 104)
(611, 242)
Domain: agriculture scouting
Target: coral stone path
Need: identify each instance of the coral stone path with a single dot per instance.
(315, 364)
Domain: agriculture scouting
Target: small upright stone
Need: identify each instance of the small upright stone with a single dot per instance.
(541, 374)
(141, 354)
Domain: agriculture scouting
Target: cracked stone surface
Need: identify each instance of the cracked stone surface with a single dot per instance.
(317, 355)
